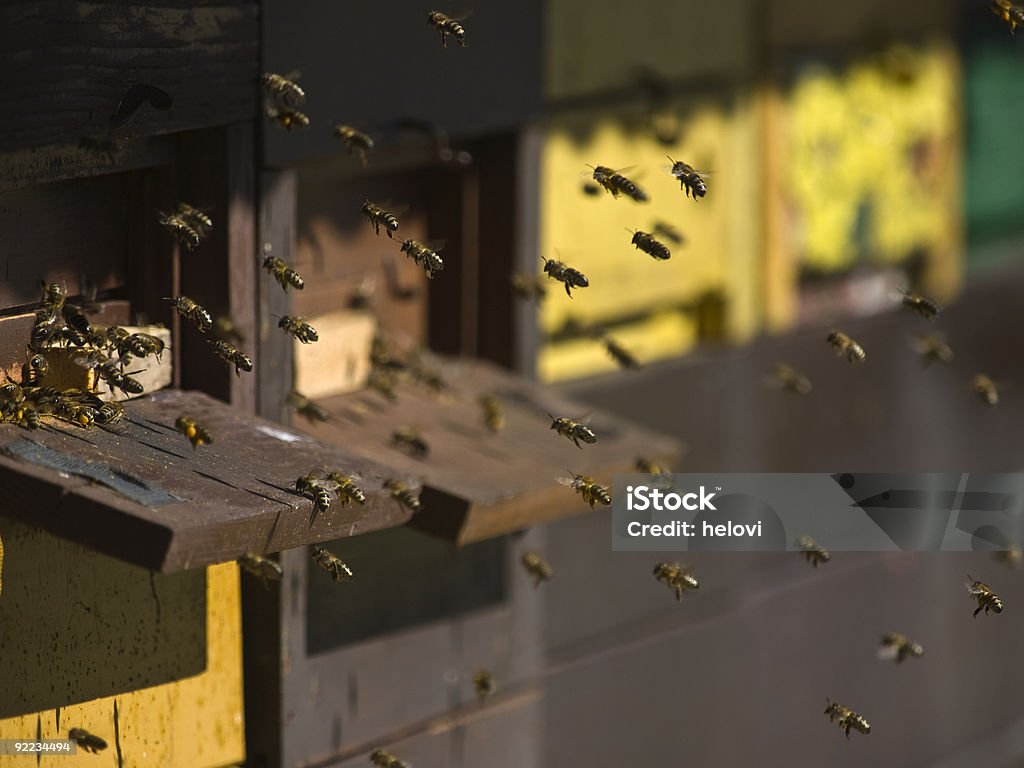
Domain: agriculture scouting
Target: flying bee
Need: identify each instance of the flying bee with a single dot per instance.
(283, 89)
(987, 599)
(494, 413)
(846, 718)
(986, 389)
(915, 302)
(897, 647)
(229, 354)
(356, 142)
(409, 440)
(108, 371)
(192, 312)
(183, 230)
(617, 184)
(447, 26)
(669, 232)
(1012, 14)
(317, 490)
(298, 328)
(285, 275)
(588, 488)
(573, 430)
(86, 740)
(378, 217)
(110, 413)
(331, 563)
(528, 287)
(142, 345)
(403, 494)
(789, 380)
(261, 567)
(483, 684)
(647, 243)
(382, 759)
(677, 577)
(1012, 556)
(347, 489)
(649, 467)
(620, 354)
(571, 278)
(813, 552)
(690, 180)
(288, 118)
(845, 346)
(195, 432)
(34, 370)
(306, 407)
(424, 255)
(932, 348)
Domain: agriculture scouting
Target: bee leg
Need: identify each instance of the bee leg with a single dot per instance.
(977, 611)
(568, 292)
(577, 443)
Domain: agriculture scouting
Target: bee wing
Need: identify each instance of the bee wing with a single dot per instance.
(436, 245)
(566, 481)
(888, 652)
(974, 587)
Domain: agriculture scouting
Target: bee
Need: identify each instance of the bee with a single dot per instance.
(846, 718)
(192, 312)
(76, 413)
(284, 90)
(356, 142)
(897, 647)
(932, 348)
(86, 740)
(229, 354)
(677, 577)
(225, 330)
(573, 430)
(288, 118)
(53, 298)
(195, 432)
(447, 26)
(187, 231)
(142, 345)
(528, 287)
(789, 380)
(647, 243)
(383, 382)
(571, 278)
(331, 563)
(110, 413)
(844, 345)
(494, 414)
(424, 255)
(689, 179)
(588, 488)
(410, 441)
(617, 184)
(669, 232)
(298, 328)
(1008, 12)
(986, 598)
(378, 217)
(620, 354)
(33, 371)
(813, 553)
(74, 318)
(483, 684)
(280, 271)
(922, 305)
(403, 495)
(199, 219)
(27, 416)
(1012, 556)
(537, 568)
(382, 759)
(346, 488)
(261, 567)
(110, 372)
(317, 490)
(986, 389)
(306, 407)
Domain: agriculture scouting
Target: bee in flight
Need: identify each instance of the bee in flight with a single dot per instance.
(346, 488)
(298, 328)
(626, 359)
(537, 568)
(813, 552)
(528, 287)
(588, 488)
(192, 312)
(331, 563)
(283, 89)
(447, 26)
(378, 217)
(317, 490)
(985, 389)
(382, 759)
(1012, 556)
(933, 349)
(617, 184)
(261, 567)
(190, 428)
(647, 243)
(571, 278)
(846, 718)
(690, 180)
(669, 232)
(306, 407)
(649, 467)
(987, 599)
(897, 647)
(403, 494)
(922, 305)
(280, 271)
(87, 741)
(494, 414)
(1012, 14)
(410, 441)
(288, 118)
(229, 354)
(573, 430)
(845, 346)
(483, 684)
(188, 224)
(789, 380)
(677, 577)
(424, 255)
(356, 142)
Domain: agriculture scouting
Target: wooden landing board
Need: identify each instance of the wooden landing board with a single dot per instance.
(231, 497)
(478, 484)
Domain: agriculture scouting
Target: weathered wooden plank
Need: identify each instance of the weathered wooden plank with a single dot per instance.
(234, 495)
